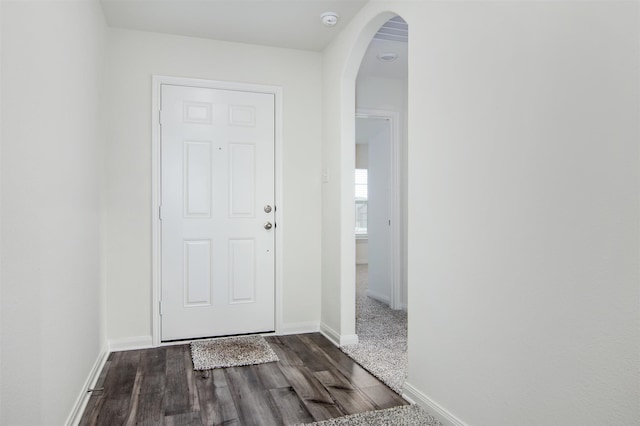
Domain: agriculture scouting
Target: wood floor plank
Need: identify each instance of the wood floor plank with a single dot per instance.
(271, 376)
(310, 354)
(381, 398)
(313, 395)
(92, 411)
(313, 381)
(333, 379)
(291, 408)
(96, 400)
(150, 410)
(216, 403)
(286, 356)
(351, 401)
(121, 384)
(340, 361)
(114, 411)
(306, 385)
(194, 402)
(243, 378)
(134, 400)
(153, 364)
(177, 394)
(184, 419)
(254, 404)
(113, 403)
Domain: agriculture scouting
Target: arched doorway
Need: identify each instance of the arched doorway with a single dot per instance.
(380, 109)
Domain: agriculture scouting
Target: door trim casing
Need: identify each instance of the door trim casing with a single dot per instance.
(395, 296)
(156, 83)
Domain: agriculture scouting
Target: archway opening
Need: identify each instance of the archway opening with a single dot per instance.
(379, 120)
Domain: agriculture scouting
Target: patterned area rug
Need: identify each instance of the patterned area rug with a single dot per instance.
(231, 352)
(382, 336)
(407, 415)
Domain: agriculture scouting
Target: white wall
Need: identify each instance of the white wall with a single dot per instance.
(390, 94)
(50, 313)
(524, 206)
(382, 93)
(362, 252)
(362, 156)
(338, 158)
(134, 57)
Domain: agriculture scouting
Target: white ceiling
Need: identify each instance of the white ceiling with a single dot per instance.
(291, 24)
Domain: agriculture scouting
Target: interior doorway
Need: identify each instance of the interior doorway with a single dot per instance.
(380, 176)
(377, 205)
(381, 136)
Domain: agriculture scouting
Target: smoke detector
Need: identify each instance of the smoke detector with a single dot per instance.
(387, 56)
(329, 19)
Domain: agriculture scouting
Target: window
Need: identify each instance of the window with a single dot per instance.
(361, 203)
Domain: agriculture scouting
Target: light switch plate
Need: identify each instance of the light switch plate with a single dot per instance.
(325, 175)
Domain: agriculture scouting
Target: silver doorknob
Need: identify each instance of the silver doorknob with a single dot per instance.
(268, 225)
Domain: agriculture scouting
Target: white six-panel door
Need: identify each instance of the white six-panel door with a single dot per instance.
(217, 190)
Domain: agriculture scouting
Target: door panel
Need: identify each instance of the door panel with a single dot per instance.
(242, 179)
(217, 173)
(197, 273)
(197, 179)
(242, 268)
(379, 211)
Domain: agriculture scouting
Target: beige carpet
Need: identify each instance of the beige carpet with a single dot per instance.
(382, 335)
(407, 415)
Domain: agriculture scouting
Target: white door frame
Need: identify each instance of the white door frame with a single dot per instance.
(157, 82)
(395, 299)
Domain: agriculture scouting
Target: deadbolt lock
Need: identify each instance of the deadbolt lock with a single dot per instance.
(267, 208)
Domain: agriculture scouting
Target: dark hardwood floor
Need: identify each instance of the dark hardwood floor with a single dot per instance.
(312, 381)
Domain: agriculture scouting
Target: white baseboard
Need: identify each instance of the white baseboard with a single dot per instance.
(414, 396)
(348, 339)
(332, 335)
(298, 328)
(336, 338)
(129, 343)
(379, 297)
(83, 398)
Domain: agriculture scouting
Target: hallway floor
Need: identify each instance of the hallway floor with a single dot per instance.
(312, 381)
(382, 335)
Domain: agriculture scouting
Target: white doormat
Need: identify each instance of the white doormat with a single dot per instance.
(231, 352)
